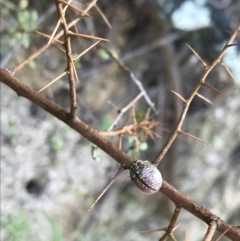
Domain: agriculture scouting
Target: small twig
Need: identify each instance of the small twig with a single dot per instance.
(123, 110)
(58, 24)
(172, 226)
(133, 54)
(132, 76)
(131, 128)
(210, 231)
(71, 66)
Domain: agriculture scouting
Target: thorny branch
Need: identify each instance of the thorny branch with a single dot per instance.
(55, 39)
(188, 101)
(172, 225)
(93, 136)
(74, 122)
(70, 66)
(210, 232)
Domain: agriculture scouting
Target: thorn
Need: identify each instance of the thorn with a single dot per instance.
(197, 55)
(48, 36)
(204, 98)
(228, 70)
(52, 82)
(231, 45)
(229, 32)
(87, 36)
(74, 68)
(212, 88)
(179, 96)
(107, 187)
(192, 136)
(153, 230)
(86, 50)
(54, 31)
(218, 238)
(176, 227)
(75, 8)
(103, 16)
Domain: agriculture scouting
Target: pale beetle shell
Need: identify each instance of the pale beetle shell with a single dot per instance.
(146, 176)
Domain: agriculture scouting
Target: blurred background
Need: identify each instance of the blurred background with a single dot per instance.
(50, 175)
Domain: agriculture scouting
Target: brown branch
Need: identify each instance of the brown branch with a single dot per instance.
(42, 49)
(62, 114)
(210, 231)
(92, 135)
(172, 225)
(46, 46)
(128, 129)
(73, 98)
(193, 94)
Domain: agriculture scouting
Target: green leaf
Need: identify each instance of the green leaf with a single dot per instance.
(25, 40)
(103, 53)
(32, 64)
